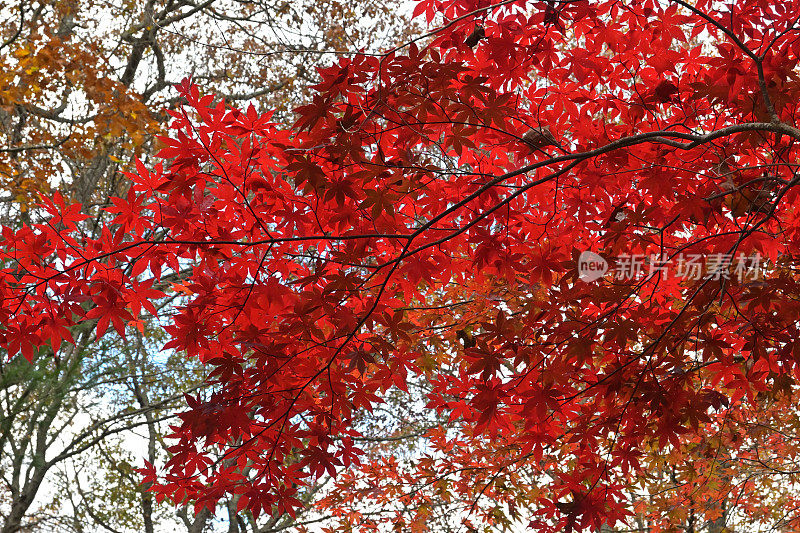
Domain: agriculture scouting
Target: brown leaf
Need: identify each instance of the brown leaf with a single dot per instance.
(475, 37)
(538, 138)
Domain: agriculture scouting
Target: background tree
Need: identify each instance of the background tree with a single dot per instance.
(84, 83)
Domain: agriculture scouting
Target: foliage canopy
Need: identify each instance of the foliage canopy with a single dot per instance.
(417, 231)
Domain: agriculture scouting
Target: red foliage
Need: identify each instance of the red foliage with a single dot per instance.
(409, 226)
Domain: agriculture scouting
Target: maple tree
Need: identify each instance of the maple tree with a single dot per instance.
(417, 232)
